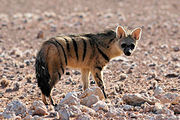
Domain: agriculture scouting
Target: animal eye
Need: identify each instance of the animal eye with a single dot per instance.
(132, 46)
(123, 45)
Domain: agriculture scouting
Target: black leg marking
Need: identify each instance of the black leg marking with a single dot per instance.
(84, 54)
(62, 69)
(100, 84)
(59, 75)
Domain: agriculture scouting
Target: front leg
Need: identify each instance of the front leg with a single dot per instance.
(98, 76)
(85, 78)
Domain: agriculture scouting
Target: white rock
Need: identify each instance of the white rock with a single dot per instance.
(147, 107)
(70, 99)
(17, 118)
(8, 115)
(17, 16)
(1, 115)
(123, 76)
(17, 107)
(49, 14)
(28, 117)
(158, 90)
(4, 17)
(40, 111)
(128, 107)
(100, 105)
(84, 116)
(165, 117)
(136, 99)
(94, 90)
(120, 58)
(74, 111)
(89, 100)
(63, 114)
(112, 112)
(38, 108)
(161, 109)
(158, 108)
(87, 110)
(175, 108)
(169, 98)
(38, 103)
(36, 117)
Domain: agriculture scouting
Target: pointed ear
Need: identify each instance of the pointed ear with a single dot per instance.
(120, 32)
(136, 33)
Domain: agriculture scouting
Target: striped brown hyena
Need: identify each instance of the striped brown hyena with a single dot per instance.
(87, 52)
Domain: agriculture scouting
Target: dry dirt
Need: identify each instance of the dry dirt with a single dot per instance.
(157, 58)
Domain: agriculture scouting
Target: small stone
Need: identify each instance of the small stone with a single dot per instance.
(38, 104)
(176, 49)
(122, 76)
(84, 116)
(40, 111)
(171, 75)
(173, 98)
(70, 99)
(147, 107)
(8, 115)
(128, 107)
(87, 110)
(158, 90)
(94, 90)
(76, 72)
(4, 82)
(53, 114)
(21, 66)
(89, 100)
(100, 105)
(74, 83)
(158, 108)
(17, 107)
(49, 14)
(74, 110)
(16, 86)
(136, 99)
(175, 108)
(28, 117)
(63, 114)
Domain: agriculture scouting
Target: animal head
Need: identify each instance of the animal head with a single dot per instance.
(127, 40)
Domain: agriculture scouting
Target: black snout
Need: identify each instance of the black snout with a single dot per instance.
(127, 51)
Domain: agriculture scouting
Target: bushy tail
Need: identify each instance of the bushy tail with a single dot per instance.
(42, 74)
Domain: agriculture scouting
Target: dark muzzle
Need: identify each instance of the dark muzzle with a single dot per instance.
(127, 51)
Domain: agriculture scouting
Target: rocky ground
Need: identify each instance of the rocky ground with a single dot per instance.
(145, 85)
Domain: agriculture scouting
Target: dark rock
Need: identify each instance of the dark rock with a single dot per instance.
(76, 73)
(171, 75)
(40, 35)
(176, 49)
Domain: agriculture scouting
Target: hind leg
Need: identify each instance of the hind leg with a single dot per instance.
(54, 78)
